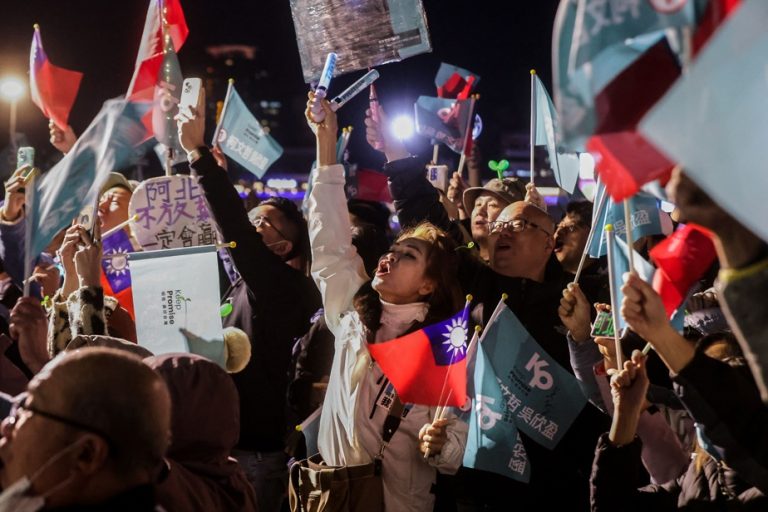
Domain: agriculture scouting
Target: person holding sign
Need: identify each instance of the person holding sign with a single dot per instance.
(364, 424)
(272, 303)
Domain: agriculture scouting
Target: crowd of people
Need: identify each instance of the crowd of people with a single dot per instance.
(94, 421)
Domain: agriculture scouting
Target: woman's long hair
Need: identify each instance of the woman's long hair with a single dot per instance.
(441, 268)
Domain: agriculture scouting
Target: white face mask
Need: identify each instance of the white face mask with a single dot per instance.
(16, 498)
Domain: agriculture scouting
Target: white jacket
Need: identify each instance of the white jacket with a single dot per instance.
(359, 396)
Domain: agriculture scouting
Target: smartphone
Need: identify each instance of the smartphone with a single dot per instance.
(87, 217)
(25, 156)
(438, 176)
(190, 92)
(603, 325)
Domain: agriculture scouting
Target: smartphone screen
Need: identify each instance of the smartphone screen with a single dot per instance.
(25, 156)
(603, 325)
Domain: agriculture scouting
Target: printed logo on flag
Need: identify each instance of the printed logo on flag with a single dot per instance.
(448, 340)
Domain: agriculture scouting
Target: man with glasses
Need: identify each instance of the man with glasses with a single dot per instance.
(79, 438)
(570, 242)
(272, 302)
(521, 242)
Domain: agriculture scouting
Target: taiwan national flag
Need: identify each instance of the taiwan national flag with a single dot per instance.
(52, 88)
(428, 366)
(116, 274)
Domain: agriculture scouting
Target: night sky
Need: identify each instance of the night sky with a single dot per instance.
(101, 38)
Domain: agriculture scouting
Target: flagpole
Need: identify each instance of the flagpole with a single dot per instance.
(120, 226)
(496, 312)
(29, 200)
(591, 236)
(630, 243)
(533, 122)
(612, 285)
(230, 85)
(435, 152)
(470, 126)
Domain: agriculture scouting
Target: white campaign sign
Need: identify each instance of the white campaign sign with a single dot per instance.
(174, 289)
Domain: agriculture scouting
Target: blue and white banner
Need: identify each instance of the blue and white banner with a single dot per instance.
(541, 395)
(242, 138)
(646, 220)
(176, 289)
(107, 144)
(493, 442)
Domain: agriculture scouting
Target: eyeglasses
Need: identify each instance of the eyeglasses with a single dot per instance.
(514, 225)
(263, 219)
(20, 406)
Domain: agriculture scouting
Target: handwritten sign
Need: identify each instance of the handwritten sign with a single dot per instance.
(172, 214)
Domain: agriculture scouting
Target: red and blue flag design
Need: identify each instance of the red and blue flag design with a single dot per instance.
(428, 366)
(52, 88)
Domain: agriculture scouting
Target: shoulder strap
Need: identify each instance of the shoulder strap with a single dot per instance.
(391, 424)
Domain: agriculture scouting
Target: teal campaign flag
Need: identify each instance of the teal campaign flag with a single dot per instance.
(713, 120)
(564, 164)
(645, 221)
(540, 395)
(242, 138)
(595, 41)
(166, 99)
(620, 263)
(493, 442)
(444, 120)
(600, 24)
(107, 144)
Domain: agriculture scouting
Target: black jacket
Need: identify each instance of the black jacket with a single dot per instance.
(272, 302)
(615, 485)
(556, 473)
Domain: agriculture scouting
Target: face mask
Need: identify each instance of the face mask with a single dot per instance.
(706, 444)
(16, 498)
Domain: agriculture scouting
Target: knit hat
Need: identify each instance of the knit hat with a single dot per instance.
(509, 190)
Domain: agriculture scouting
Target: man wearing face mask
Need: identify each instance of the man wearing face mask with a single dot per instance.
(77, 440)
(272, 302)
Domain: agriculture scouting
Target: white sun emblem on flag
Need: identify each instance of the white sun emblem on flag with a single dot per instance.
(456, 337)
(117, 264)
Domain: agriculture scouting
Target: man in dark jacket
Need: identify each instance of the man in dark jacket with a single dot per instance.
(272, 302)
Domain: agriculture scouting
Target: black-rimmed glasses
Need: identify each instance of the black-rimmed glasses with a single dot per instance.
(514, 225)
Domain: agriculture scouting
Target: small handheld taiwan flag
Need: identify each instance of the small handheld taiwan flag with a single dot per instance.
(428, 366)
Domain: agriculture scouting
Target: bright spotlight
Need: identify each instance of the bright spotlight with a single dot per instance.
(402, 127)
(11, 88)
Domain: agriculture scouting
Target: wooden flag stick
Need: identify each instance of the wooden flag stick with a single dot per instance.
(120, 226)
(630, 243)
(435, 153)
(614, 297)
(533, 122)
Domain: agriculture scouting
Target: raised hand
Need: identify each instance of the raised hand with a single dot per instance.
(29, 327)
(190, 123)
(14, 195)
(629, 388)
(61, 138)
(432, 437)
(325, 131)
(643, 310)
(574, 312)
(378, 136)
